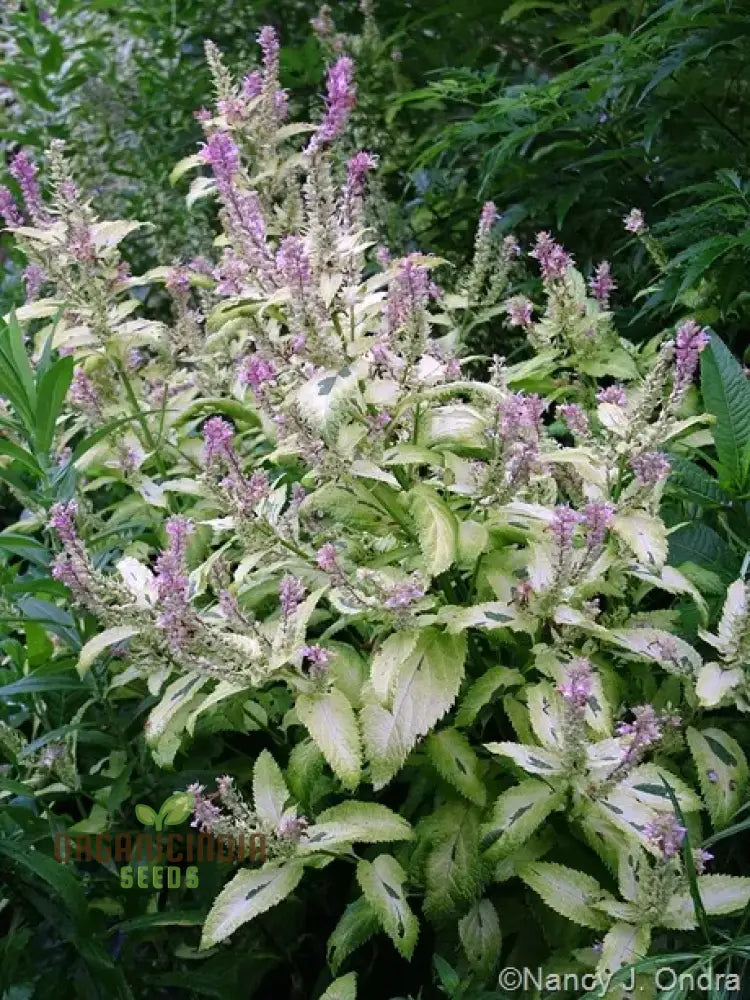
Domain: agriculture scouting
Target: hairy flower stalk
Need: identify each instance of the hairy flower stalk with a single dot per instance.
(176, 615)
(515, 436)
(575, 688)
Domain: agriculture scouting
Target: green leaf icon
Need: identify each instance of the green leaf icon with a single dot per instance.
(176, 809)
(145, 814)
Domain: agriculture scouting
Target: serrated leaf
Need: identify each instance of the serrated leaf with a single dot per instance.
(696, 483)
(356, 822)
(644, 535)
(455, 761)
(270, 794)
(715, 682)
(453, 870)
(344, 988)
(426, 688)
(483, 690)
(534, 760)
(480, 936)
(357, 925)
(388, 660)
(382, 882)
(623, 945)
(567, 891)
(437, 529)
(516, 814)
(726, 394)
(250, 893)
(330, 719)
(720, 894)
(491, 615)
(722, 772)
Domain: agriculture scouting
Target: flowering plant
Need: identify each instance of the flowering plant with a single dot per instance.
(325, 529)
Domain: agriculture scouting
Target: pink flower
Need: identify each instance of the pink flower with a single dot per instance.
(602, 284)
(520, 311)
(218, 435)
(650, 468)
(252, 85)
(9, 211)
(634, 222)
(575, 418)
(62, 520)
(409, 292)
(357, 168)
(487, 218)
(172, 584)
(613, 394)
(24, 171)
(256, 372)
(597, 517)
(666, 834)
(222, 155)
(563, 526)
(269, 45)
(646, 729)
(291, 594)
(689, 343)
(327, 558)
(293, 262)
(577, 685)
(554, 261)
(83, 393)
(403, 595)
(34, 277)
(340, 100)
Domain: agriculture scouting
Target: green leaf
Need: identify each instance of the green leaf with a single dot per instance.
(696, 483)
(483, 690)
(568, 892)
(437, 529)
(623, 945)
(479, 932)
(344, 988)
(646, 536)
(382, 882)
(455, 761)
(453, 870)
(97, 645)
(270, 793)
(250, 893)
(53, 388)
(534, 760)
(516, 814)
(719, 894)
(57, 876)
(355, 822)
(184, 166)
(726, 394)
(39, 683)
(426, 688)
(357, 925)
(722, 772)
(329, 718)
(19, 454)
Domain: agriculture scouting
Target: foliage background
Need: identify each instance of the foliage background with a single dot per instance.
(566, 115)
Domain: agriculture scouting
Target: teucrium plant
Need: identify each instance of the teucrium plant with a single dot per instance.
(341, 512)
